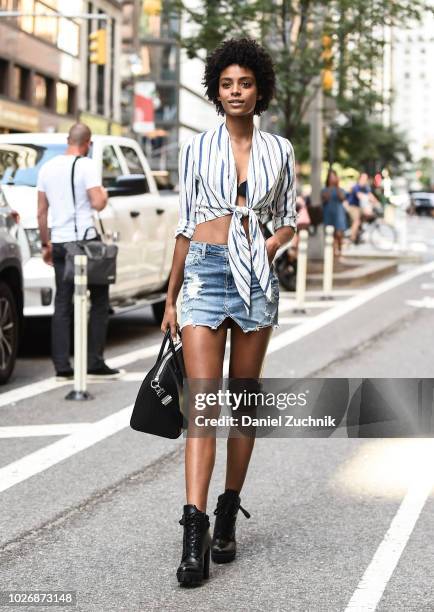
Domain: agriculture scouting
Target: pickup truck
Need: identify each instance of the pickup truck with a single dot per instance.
(137, 218)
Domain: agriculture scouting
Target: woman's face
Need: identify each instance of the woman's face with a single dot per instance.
(238, 91)
(333, 179)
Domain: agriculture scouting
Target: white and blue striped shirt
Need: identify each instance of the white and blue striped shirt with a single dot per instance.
(208, 190)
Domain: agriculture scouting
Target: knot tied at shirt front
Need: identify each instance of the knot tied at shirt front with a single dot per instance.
(245, 258)
(243, 211)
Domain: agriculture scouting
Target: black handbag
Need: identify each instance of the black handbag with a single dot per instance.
(158, 406)
(101, 257)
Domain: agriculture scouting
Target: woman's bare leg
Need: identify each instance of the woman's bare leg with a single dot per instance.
(246, 359)
(203, 350)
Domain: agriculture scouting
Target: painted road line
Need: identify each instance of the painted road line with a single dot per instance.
(48, 384)
(278, 342)
(50, 455)
(133, 376)
(312, 324)
(33, 431)
(26, 391)
(374, 581)
(288, 304)
(292, 320)
(425, 302)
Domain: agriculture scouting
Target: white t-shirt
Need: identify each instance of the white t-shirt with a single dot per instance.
(55, 181)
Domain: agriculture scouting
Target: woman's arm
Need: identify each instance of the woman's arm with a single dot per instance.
(183, 234)
(280, 237)
(341, 195)
(283, 209)
(325, 195)
(175, 283)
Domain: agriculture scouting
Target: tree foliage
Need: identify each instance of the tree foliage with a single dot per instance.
(370, 146)
(293, 30)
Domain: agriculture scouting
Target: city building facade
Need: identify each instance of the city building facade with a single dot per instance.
(410, 60)
(46, 80)
(162, 97)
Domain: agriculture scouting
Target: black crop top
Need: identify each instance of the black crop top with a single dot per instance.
(242, 189)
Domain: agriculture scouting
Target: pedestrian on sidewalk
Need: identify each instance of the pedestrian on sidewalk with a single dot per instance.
(333, 197)
(360, 205)
(69, 222)
(231, 178)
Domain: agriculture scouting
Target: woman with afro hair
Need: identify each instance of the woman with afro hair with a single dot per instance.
(231, 177)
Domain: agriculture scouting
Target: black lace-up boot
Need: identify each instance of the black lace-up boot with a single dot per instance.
(194, 565)
(224, 546)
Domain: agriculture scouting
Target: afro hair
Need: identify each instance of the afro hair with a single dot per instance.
(249, 54)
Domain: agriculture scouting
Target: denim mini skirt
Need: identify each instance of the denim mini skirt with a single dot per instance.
(210, 295)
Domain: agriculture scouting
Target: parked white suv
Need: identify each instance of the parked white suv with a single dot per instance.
(137, 218)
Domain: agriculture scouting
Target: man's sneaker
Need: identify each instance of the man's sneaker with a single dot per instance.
(104, 372)
(65, 375)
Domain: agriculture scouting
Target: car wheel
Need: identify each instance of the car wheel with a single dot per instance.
(158, 310)
(8, 332)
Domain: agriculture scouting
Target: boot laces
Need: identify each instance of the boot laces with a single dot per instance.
(226, 516)
(192, 532)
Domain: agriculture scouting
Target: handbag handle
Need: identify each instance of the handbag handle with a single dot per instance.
(168, 338)
(91, 228)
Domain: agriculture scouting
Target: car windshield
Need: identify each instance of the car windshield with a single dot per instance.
(20, 162)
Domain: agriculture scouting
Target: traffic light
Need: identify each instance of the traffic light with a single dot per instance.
(98, 47)
(152, 7)
(327, 57)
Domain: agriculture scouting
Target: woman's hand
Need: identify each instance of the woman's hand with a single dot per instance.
(272, 245)
(170, 320)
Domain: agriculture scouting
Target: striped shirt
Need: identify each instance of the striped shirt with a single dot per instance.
(208, 190)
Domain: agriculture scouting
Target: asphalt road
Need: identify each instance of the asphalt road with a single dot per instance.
(337, 523)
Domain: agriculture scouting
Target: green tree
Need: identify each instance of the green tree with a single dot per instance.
(293, 31)
(370, 146)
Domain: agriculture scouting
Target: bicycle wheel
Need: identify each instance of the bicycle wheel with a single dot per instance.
(383, 236)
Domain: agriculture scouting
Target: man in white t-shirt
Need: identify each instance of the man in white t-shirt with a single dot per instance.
(69, 223)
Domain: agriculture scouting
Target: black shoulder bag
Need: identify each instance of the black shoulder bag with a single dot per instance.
(101, 257)
(158, 407)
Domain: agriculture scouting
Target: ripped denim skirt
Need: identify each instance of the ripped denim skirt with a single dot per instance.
(210, 295)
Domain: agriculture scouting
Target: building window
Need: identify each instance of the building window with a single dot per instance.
(68, 36)
(26, 23)
(63, 32)
(45, 27)
(51, 94)
(21, 83)
(4, 69)
(62, 96)
(40, 85)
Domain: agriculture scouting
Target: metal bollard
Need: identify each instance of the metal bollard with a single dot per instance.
(80, 330)
(300, 289)
(327, 281)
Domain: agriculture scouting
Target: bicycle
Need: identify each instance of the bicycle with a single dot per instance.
(381, 235)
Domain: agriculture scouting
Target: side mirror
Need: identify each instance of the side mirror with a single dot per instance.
(129, 184)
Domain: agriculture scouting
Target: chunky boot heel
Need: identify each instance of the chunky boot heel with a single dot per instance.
(194, 565)
(224, 546)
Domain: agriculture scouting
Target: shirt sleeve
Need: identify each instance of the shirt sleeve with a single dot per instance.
(283, 208)
(187, 191)
(41, 180)
(90, 174)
